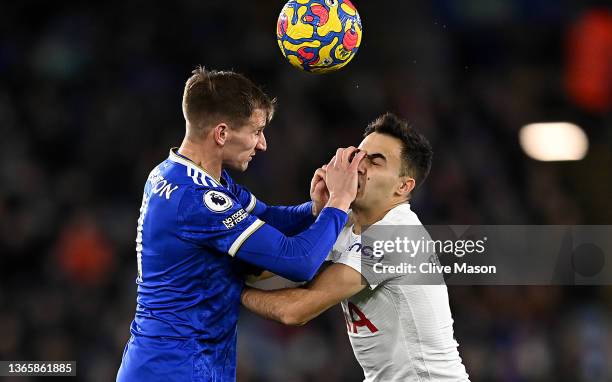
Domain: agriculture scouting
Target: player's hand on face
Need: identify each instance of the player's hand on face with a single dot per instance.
(341, 176)
(319, 194)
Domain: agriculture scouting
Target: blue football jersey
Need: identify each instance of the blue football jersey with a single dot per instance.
(193, 232)
(188, 287)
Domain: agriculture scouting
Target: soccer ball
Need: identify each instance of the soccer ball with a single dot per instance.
(319, 36)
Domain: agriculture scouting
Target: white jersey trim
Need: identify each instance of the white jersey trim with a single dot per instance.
(243, 236)
(252, 204)
(199, 176)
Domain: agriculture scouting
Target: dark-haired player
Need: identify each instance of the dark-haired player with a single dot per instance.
(399, 331)
(196, 226)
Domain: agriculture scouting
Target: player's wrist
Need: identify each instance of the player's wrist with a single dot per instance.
(341, 202)
(316, 208)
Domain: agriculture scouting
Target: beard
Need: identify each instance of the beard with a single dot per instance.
(357, 203)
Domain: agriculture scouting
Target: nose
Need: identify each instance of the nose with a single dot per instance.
(261, 143)
(362, 168)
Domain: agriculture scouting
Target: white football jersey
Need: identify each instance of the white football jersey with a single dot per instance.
(398, 331)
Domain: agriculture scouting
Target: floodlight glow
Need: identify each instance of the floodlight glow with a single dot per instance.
(556, 141)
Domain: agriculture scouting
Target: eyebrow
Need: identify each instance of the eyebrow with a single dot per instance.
(376, 156)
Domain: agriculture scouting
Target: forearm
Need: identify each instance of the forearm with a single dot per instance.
(287, 306)
(287, 219)
(296, 258)
(296, 306)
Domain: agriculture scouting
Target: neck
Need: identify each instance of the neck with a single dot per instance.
(365, 217)
(208, 158)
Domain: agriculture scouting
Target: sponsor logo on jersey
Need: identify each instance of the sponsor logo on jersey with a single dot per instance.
(217, 201)
(353, 323)
(365, 250)
(236, 218)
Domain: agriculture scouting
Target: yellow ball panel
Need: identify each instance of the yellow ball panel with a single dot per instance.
(333, 24)
(348, 9)
(299, 30)
(295, 47)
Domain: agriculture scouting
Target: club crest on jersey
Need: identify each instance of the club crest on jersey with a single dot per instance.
(217, 201)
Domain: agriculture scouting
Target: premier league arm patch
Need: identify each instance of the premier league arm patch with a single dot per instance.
(217, 201)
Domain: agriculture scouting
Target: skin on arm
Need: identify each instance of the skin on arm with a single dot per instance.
(297, 306)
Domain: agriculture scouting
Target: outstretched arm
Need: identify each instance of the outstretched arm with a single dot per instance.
(290, 220)
(299, 257)
(287, 219)
(211, 219)
(297, 306)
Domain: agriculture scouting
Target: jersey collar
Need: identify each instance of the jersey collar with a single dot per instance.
(388, 218)
(393, 213)
(178, 158)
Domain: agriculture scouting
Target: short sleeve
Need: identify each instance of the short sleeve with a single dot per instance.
(375, 267)
(215, 218)
(362, 263)
(395, 253)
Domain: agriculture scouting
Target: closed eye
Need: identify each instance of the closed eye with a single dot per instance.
(377, 159)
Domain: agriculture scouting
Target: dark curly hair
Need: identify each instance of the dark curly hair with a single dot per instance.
(416, 150)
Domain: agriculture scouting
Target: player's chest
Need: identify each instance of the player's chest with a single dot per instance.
(369, 312)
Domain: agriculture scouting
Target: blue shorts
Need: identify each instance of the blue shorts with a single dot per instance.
(168, 360)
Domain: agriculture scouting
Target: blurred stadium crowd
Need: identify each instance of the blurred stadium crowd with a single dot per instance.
(90, 103)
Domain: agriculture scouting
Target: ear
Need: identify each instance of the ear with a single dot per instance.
(220, 134)
(406, 186)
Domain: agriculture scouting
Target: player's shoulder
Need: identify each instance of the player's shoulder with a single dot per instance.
(214, 200)
(226, 177)
(345, 241)
(400, 215)
(217, 209)
(198, 188)
(170, 178)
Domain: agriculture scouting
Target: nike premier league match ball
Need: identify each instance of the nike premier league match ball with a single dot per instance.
(319, 36)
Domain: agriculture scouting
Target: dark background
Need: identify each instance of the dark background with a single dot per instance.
(90, 102)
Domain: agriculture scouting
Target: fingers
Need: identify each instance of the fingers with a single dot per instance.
(345, 157)
(332, 162)
(319, 174)
(342, 157)
(338, 157)
(347, 153)
(355, 161)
